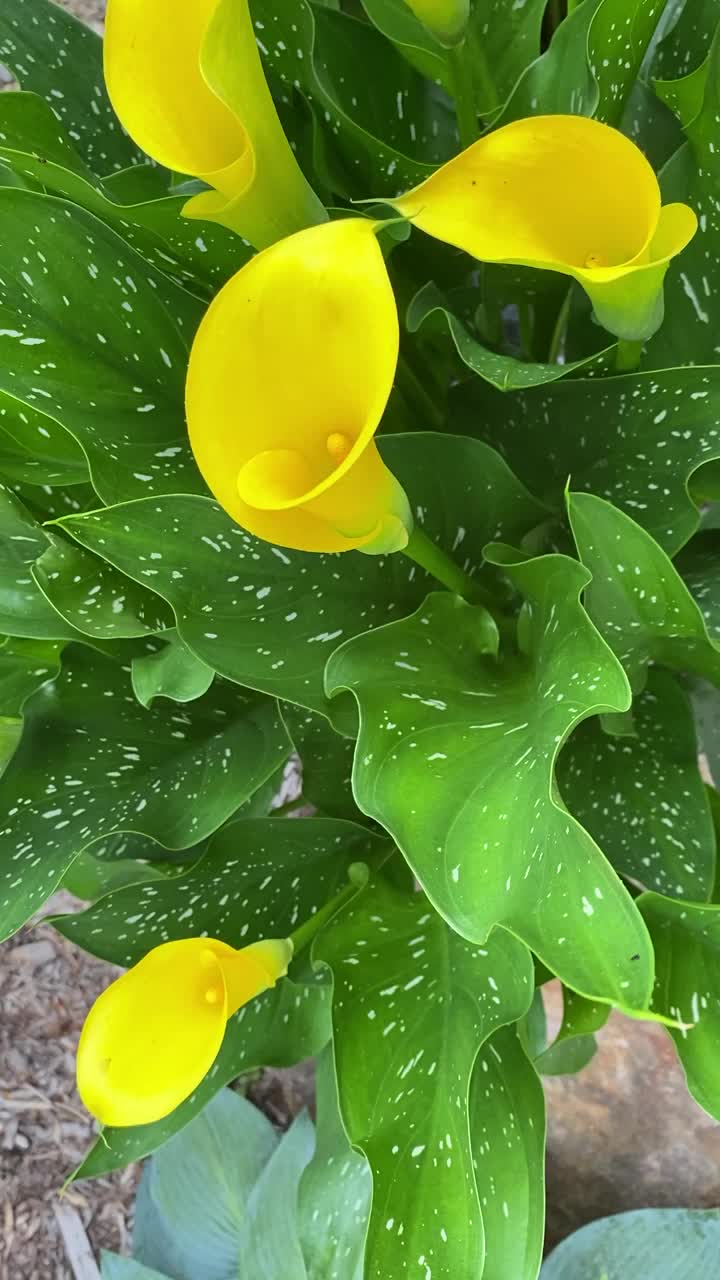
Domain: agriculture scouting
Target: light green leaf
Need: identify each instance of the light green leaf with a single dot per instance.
(634, 440)
(503, 372)
(92, 762)
(412, 1004)
(76, 302)
(89, 877)
(261, 877)
(642, 797)
(289, 1023)
(620, 34)
(574, 1045)
(113, 1267)
(24, 610)
(636, 596)
(173, 672)
(660, 1244)
(267, 616)
(54, 55)
(507, 1129)
(269, 1246)
(686, 938)
(456, 758)
(92, 597)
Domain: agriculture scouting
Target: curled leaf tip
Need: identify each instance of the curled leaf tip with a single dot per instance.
(153, 1034)
(289, 376)
(563, 193)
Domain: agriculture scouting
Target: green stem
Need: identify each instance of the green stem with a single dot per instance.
(425, 553)
(463, 91)
(628, 355)
(414, 391)
(358, 876)
(557, 341)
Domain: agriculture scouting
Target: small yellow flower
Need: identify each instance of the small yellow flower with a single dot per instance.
(568, 194)
(151, 1037)
(444, 19)
(289, 376)
(186, 81)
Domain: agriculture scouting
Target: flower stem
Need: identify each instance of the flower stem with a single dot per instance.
(464, 94)
(358, 876)
(435, 561)
(628, 355)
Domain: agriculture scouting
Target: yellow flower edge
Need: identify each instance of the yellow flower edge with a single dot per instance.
(289, 376)
(186, 81)
(153, 1034)
(563, 193)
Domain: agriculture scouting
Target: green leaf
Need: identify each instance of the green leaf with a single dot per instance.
(269, 1246)
(634, 440)
(620, 34)
(456, 758)
(706, 709)
(335, 1189)
(412, 1004)
(574, 1045)
(25, 666)
(699, 566)
(89, 877)
(54, 55)
(92, 597)
(686, 938)
(113, 1267)
(92, 762)
(397, 22)
(24, 610)
(503, 372)
(260, 877)
(507, 1129)
(199, 257)
(642, 797)
(268, 617)
(389, 129)
(636, 596)
(77, 302)
(35, 448)
(327, 760)
(560, 81)
(173, 672)
(662, 1244)
(289, 1023)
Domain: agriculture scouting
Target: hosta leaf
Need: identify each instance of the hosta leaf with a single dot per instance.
(24, 610)
(114, 1267)
(326, 758)
(456, 759)
(507, 1129)
(172, 672)
(636, 596)
(54, 55)
(642, 797)
(634, 440)
(92, 761)
(412, 1004)
(76, 303)
(391, 129)
(197, 256)
(662, 1244)
(269, 617)
(91, 596)
(686, 937)
(289, 1023)
(503, 372)
(260, 877)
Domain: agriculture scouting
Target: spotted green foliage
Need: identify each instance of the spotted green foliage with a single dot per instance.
(25, 666)
(575, 1044)
(637, 596)
(327, 759)
(456, 758)
(24, 610)
(92, 761)
(641, 795)
(686, 937)
(34, 448)
(507, 1130)
(699, 566)
(171, 672)
(56, 56)
(413, 1002)
(78, 307)
(270, 617)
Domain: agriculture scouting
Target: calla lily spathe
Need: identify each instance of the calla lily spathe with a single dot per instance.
(154, 1033)
(568, 194)
(289, 375)
(186, 81)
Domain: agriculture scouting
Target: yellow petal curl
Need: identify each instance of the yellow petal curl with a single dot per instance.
(154, 1033)
(289, 375)
(186, 81)
(568, 194)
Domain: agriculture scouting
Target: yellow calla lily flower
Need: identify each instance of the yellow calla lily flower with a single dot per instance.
(152, 1036)
(444, 19)
(185, 79)
(568, 194)
(289, 375)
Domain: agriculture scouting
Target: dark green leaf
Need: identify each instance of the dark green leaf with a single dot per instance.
(327, 760)
(36, 449)
(173, 672)
(24, 610)
(25, 666)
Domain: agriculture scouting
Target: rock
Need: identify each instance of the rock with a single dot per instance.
(33, 954)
